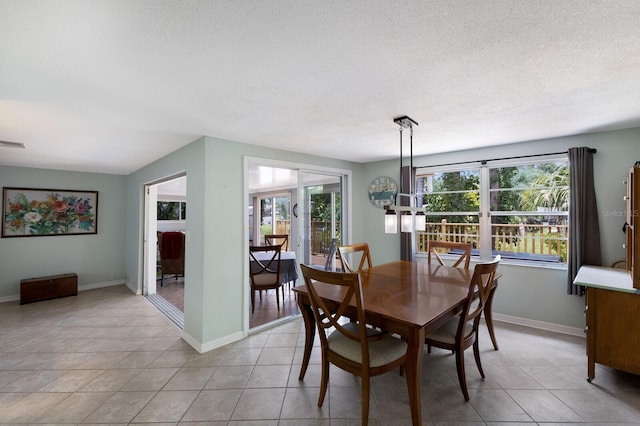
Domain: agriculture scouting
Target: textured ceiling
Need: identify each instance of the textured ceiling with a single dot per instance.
(110, 86)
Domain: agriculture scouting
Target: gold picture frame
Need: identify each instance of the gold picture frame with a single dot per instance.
(36, 212)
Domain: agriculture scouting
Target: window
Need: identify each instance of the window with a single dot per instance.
(172, 210)
(516, 209)
(275, 214)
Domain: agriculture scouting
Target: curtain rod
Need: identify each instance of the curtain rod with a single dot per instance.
(483, 162)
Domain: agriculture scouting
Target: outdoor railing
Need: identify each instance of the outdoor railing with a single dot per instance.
(525, 241)
(320, 234)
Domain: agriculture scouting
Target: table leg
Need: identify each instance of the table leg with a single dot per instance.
(413, 369)
(309, 334)
(488, 316)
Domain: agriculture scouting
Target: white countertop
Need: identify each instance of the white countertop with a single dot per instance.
(606, 278)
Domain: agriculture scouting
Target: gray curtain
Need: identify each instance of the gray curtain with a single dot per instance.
(406, 239)
(584, 232)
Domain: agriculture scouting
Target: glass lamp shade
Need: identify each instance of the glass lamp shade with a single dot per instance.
(406, 222)
(421, 221)
(390, 222)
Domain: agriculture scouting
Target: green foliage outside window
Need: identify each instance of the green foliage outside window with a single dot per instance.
(171, 210)
(528, 206)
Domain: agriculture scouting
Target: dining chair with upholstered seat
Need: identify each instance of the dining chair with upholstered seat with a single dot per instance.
(264, 272)
(355, 254)
(352, 346)
(461, 332)
(461, 253)
(280, 239)
(461, 250)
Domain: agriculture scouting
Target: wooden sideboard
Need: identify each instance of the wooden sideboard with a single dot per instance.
(51, 287)
(632, 229)
(613, 319)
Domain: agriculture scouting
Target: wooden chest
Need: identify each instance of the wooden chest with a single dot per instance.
(51, 287)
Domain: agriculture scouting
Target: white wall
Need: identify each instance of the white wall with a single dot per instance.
(532, 293)
(97, 259)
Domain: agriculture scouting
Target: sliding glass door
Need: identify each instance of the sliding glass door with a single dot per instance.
(321, 213)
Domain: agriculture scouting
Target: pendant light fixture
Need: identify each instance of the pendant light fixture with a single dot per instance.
(412, 214)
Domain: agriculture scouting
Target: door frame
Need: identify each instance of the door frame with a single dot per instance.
(150, 228)
(346, 178)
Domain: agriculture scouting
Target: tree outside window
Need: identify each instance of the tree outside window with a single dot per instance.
(524, 216)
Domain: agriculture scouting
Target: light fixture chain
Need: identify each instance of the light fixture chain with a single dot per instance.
(401, 180)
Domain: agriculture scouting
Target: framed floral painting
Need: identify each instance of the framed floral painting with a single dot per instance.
(33, 212)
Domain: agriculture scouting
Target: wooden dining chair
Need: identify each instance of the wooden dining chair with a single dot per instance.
(331, 255)
(461, 250)
(350, 254)
(463, 253)
(265, 272)
(280, 239)
(350, 346)
(461, 332)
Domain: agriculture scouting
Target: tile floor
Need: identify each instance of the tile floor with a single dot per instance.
(109, 357)
(266, 308)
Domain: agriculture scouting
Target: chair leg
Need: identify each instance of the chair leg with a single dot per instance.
(253, 300)
(476, 355)
(461, 374)
(488, 318)
(366, 383)
(324, 380)
(278, 297)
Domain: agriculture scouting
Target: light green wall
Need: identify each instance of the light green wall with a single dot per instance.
(189, 160)
(97, 259)
(215, 247)
(532, 293)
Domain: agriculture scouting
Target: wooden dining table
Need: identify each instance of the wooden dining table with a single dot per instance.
(408, 298)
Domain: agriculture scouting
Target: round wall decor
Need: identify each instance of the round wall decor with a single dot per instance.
(382, 191)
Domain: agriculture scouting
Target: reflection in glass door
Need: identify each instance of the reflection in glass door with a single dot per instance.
(321, 213)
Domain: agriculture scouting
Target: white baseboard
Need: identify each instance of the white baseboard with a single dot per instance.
(100, 285)
(214, 344)
(9, 298)
(134, 289)
(573, 331)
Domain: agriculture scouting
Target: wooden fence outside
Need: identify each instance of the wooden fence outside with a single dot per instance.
(320, 234)
(528, 240)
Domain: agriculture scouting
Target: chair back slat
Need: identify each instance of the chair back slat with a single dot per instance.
(349, 256)
(269, 265)
(280, 239)
(462, 250)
